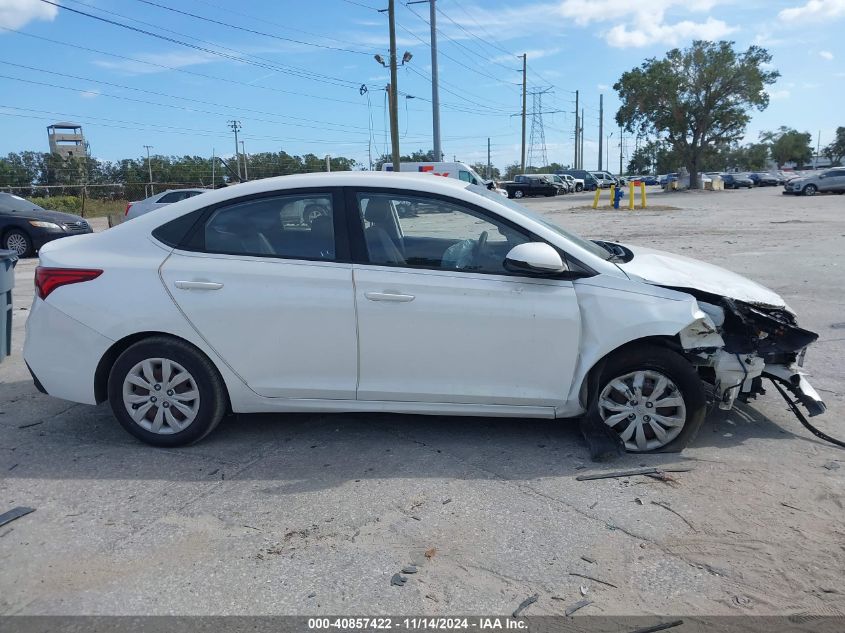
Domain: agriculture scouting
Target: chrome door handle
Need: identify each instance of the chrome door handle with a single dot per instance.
(388, 296)
(198, 285)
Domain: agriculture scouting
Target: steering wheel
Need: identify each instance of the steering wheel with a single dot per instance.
(480, 246)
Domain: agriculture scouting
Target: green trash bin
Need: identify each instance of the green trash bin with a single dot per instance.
(8, 259)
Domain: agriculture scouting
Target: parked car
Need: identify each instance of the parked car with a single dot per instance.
(485, 310)
(827, 181)
(158, 200)
(525, 186)
(736, 181)
(25, 227)
(766, 179)
(605, 179)
(561, 184)
(590, 183)
(571, 182)
(668, 178)
(649, 180)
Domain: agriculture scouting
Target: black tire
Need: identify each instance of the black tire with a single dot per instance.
(18, 237)
(212, 391)
(810, 190)
(518, 193)
(671, 365)
(579, 187)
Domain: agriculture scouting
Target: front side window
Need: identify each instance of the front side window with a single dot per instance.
(416, 231)
(291, 227)
(465, 176)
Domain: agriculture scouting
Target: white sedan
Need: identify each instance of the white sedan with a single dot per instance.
(225, 302)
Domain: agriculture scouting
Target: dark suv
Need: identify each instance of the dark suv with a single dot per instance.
(590, 182)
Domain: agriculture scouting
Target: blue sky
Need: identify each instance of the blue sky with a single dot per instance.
(300, 90)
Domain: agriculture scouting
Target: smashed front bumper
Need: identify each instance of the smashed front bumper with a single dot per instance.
(795, 382)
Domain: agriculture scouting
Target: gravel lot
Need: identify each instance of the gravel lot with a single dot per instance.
(313, 514)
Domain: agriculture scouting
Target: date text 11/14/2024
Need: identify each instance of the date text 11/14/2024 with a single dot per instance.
(416, 623)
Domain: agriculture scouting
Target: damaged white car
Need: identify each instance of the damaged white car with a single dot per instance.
(470, 305)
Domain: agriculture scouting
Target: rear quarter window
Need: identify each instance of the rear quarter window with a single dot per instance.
(174, 232)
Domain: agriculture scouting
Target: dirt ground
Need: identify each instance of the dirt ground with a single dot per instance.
(313, 514)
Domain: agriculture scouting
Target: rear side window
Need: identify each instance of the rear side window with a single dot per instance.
(173, 196)
(289, 227)
(174, 232)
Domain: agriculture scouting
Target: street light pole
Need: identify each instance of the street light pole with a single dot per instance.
(393, 97)
(246, 171)
(150, 167)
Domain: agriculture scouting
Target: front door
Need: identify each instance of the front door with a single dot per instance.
(441, 320)
(263, 283)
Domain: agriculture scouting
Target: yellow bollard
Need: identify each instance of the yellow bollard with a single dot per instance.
(596, 197)
(612, 194)
(642, 195)
(631, 196)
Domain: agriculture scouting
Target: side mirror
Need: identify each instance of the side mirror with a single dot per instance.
(491, 185)
(534, 257)
(821, 176)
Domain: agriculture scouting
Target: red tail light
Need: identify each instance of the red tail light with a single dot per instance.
(128, 206)
(48, 279)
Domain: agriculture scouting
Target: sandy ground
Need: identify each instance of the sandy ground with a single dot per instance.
(313, 514)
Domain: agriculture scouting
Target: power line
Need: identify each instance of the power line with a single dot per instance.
(248, 30)
(170, 96)
(457, 61)
(240, 57)
(473, 35)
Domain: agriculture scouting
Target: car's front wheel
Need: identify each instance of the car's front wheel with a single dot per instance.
(652, 398)
(810, 190)
(518, 193)
(19, 242)
(165, 392)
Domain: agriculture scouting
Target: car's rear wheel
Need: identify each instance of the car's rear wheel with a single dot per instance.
(19, 242)
(810, 190)
(652, 398)
(518, 193)
(166, 393)
(579, 187)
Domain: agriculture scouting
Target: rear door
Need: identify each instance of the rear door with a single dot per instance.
(271, 294)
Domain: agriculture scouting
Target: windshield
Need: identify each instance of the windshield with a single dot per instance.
(11, 202)
(587, 245)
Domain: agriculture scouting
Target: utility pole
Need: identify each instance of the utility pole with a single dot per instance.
(213, 165)
(581, 138)
(524, 102)
(393, 95)
(435, 85)
(150, 167)
(246, 171)
(577, 166)
(620, 150)
(328, 162)
(489, 164)
(236, 125)
(818, 147)
(601, 127)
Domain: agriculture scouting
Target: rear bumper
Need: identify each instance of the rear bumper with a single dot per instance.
(62, 354)
(798, 385)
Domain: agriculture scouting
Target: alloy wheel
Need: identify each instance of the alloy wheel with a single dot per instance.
(17, 243)
(644, 407)
(161, 396)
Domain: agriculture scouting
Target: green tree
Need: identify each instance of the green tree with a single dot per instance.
(697, 98)
(789, 145)
(512, 170)
(836, 150)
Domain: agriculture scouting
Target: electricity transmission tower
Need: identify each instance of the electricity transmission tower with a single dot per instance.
(537, 143)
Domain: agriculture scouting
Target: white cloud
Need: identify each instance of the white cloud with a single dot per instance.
(645, 34)
(814, 10)
(91, 93)
(777, 95)
(645, 23)
(603, 87)
(16, 13)
(153, 62)
(826, 55)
